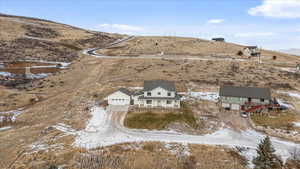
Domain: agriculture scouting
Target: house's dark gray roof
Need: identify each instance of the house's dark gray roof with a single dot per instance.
(246, 92)
(218, 39)
(152, 84)
(251, 47)
(141, 92)
(125, 91)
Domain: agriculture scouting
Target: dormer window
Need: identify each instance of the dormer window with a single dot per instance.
(148, 93)
(169, 93)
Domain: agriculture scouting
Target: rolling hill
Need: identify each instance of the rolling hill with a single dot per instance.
(32, 38)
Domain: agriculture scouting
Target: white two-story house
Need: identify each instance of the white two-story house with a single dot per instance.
(158, 93)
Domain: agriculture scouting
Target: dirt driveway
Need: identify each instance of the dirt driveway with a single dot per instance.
(117, 108)
(234, 120)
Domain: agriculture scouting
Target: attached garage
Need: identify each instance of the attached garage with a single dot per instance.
(120, 97)
(225, 105)
(235, 107)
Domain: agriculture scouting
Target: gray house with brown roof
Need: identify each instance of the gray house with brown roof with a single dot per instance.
(234, 97)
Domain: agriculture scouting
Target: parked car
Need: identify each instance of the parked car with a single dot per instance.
(282, 107)
(244, 114)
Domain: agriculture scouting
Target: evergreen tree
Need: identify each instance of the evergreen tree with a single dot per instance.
(266, 158)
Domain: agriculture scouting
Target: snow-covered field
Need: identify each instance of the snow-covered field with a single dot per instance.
(106, 128)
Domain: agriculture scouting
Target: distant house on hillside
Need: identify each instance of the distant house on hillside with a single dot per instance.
(298, 67)
(251, 51)
(233, 97)
(156, 93)
(218, 39)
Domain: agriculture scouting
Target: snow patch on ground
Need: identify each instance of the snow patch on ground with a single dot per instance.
(292, 94)
(209, 96)
(38, 76)
(297, 124)
(286, 69)
(5, 128)
(6, 74)
(179, 150)
(65, 128)
(13, 113)
(32, 76)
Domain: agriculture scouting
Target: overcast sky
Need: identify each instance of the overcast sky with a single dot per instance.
(272, 24)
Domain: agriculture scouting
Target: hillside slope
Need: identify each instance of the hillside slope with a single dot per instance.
(186, 47)
(31, 38)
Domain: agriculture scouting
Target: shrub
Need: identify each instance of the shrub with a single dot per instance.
(240, 53)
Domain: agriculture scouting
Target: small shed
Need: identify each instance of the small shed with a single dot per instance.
(218, 39)
(298, 67)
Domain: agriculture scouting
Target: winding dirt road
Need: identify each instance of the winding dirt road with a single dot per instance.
(106, 128)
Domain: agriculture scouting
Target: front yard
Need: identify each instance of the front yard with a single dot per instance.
(283, 120)
(158, 119)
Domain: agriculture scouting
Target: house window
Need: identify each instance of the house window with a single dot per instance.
(148, 93)
(149, 101)
(249, 99)
(169, 101)
(169, 93)
(158, 93)
(262, 100)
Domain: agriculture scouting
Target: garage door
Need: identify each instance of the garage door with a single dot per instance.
(226, 105)
(235, 107)
(119, 101)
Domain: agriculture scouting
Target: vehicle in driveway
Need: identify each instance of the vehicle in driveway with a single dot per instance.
(244, 114)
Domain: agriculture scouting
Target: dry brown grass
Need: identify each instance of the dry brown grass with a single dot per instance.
(282, 120)
(174, 46)
(136, 156)
(180, 47)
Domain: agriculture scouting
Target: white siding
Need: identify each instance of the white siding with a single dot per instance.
(161, 103)
(159, 92)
